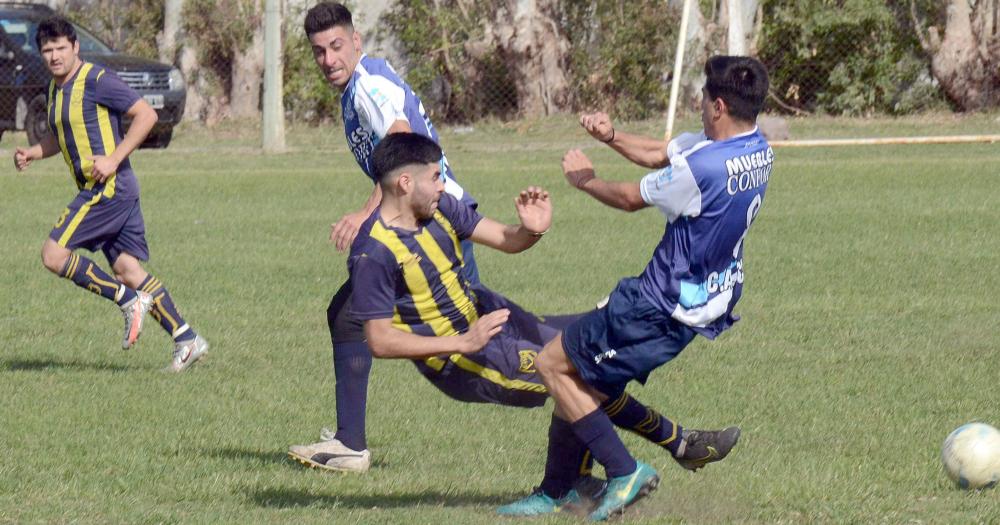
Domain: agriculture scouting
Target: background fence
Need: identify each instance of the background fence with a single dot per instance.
(497, 59)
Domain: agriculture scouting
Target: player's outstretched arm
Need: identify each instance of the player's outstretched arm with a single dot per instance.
(644, 151)
(388, 342)
(580, 174)
(48, 146)
(534, 210)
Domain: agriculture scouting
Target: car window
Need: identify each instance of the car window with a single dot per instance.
(22, 33)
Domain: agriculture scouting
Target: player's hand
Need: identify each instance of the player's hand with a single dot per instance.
(534, 209)
(22, 159)
(577, 168)
(104, 167)
(343, 232)
(598, 125)
(483, 330)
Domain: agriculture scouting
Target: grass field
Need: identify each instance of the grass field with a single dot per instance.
(868, 334)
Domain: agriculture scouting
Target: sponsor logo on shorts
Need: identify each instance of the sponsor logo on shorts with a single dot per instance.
(610, 354)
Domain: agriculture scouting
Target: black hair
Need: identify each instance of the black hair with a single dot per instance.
(740, 81)
(325, 15)
(397, 150)
(53, 28)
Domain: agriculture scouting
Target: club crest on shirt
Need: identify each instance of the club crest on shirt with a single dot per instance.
(527, 361)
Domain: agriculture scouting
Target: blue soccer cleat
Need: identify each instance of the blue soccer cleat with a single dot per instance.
(538, 503)
(626, 490)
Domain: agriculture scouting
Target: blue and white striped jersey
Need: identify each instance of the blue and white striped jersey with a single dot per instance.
(710, 195)
(374, 99)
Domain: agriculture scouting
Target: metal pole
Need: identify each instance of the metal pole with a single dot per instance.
(675, 84)
(273, 125)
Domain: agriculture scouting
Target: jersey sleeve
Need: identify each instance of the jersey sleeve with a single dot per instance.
(463, 218)
(112, 92)
(674, 189)
(374, 287)
(381, 101)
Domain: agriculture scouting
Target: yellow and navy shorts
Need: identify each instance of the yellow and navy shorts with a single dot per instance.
(96, 222)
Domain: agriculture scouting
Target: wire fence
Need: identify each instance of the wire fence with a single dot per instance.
(202, 60)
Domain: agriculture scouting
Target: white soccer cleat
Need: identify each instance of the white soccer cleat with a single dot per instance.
(134, 313)
(331, 455)
(187, 352)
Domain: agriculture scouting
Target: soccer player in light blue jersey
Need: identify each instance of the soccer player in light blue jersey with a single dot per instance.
(473, 344)
(86, 104)
(710, 192)
(375, 102)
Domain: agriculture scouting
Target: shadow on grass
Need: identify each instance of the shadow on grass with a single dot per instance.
(251, 455)
(290, 498)
(45, 365)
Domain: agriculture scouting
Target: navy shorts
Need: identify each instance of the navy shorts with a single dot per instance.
(503, 372)
(95, 222)
(626, 339)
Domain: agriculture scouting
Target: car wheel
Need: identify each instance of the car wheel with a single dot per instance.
(159, 140)
(36, 122)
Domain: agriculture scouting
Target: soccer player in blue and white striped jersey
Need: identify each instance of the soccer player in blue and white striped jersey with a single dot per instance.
(710, 190)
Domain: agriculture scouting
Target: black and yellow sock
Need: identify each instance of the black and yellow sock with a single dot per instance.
(164, 310)
(86, 274)
(625, 412)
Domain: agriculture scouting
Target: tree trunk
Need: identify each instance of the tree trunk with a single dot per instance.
(534, 49)
(966, 62)
(196, 104)
(248, 72)
(167, 41)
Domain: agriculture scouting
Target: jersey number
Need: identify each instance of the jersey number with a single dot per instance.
(751, 213)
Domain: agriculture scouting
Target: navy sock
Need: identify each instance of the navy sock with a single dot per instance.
(85, 274)
(598, 434)
(625, 412)
(352, 362)
(567, 459)
(165, 312)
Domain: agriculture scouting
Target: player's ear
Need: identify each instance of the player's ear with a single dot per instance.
(404, 182)
(356, 38)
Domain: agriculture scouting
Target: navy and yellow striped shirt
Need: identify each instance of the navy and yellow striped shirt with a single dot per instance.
(85, 116)
(414, 277)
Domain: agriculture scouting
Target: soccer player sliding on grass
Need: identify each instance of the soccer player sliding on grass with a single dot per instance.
(710, 193)
(86, 104)
(471, 343)
(375, 102)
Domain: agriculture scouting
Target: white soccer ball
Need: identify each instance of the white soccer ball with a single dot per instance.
(971, 456)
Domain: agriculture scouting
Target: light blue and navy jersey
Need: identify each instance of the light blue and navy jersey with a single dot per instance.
(414, 277)
(374, 99)
(710, 195)
(85, 115)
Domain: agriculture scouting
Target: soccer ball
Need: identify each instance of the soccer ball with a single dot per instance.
(971, 456)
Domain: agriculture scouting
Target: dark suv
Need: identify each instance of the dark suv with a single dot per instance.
(24, 80)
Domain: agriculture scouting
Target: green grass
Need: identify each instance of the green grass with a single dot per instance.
(868, 334)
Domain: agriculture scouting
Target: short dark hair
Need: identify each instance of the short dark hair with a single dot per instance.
(53, 28)
(740, 81)
(397, 150)
(325, 15)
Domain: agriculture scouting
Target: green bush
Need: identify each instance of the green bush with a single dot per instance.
(849, 57)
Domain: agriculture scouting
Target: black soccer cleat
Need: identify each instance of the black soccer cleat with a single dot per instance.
(701, 447)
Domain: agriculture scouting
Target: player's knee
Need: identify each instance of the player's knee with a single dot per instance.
(53, 260)
(546, 364)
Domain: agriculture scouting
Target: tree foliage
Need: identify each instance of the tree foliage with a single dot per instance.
(843, 57)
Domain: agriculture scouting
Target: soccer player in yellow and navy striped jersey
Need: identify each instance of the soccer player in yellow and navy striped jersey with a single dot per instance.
(86, 104)
(472, 343)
